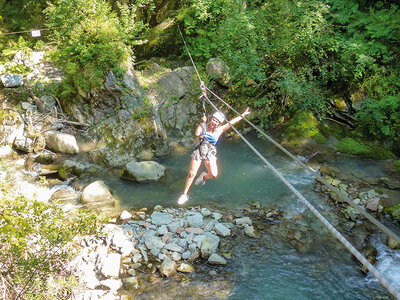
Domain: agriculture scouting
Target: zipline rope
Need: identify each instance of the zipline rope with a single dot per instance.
(385, 283)
(342, 195)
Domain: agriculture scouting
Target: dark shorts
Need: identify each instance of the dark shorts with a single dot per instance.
(205, 152)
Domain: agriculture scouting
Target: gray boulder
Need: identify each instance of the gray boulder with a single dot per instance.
(97, 193)
(11, 80)
(61, 142)
(222, 230)
(143, 171)
(66, 196)
(23, 143)
(218, 70)
(195, 220)
(209, 245)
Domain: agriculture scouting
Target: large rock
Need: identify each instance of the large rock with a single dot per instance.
(209, 245)
(61, 142)
(168, 267)
(97, 193)
(71, 168)
(23, 143)
(66, 196)
(120, 120)
(11, 80)
(175, 97)
(143, 171)
(161, 218)
(218, 70)
(110, 265)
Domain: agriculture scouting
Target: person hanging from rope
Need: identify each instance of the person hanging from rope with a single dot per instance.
(206, 150)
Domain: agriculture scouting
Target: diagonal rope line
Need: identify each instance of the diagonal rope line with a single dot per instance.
(385, 283)
(342, 195)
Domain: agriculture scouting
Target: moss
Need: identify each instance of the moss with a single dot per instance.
(394, 211)
(397, 165)
(365, 149)
(302, 126)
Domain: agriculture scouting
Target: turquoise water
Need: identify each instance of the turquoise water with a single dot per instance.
(267, 268)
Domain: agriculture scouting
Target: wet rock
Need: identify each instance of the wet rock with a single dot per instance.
(185, 268)
(97, 193)
(46, 157)
(143, 171)
(66, 196)
(61, 142)
(168, 267)
(216, 259)
(243, 221)
(71, 168)
(131, 283)
(392, 243)
(249, 230)
(373, 204)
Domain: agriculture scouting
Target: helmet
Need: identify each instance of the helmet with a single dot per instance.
(219, 116)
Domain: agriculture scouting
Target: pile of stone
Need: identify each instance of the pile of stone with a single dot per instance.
(169, 240)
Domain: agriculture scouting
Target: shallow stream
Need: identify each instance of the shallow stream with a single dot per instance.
(268, 267)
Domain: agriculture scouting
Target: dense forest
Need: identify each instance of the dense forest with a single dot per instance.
(335, 59)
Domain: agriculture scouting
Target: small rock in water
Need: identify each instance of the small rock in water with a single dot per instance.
(217, 216)
(125, 216)
(168, 267)
(157, 208)
(185, 268)
(243, 221)
(216, 259)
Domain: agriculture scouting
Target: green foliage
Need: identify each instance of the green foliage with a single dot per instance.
(381, 118)
(394, 211)
(304, 125)
(91, 40)
(397, 165)
(366, 149)
(34, 238)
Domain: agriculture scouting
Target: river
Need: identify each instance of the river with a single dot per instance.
(268, 267)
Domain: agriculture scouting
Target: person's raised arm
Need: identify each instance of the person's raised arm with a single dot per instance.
(235, 120)
(200, 128)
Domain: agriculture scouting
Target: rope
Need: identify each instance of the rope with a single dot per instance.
(385, 283)
(342, 195)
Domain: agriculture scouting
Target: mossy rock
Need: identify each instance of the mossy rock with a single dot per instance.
(397, 165)
(302, 127)
(394, 211)
(352, 146)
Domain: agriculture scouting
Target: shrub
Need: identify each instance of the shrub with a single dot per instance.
(366, 149)
(304, 125)
(91, 40)
(34, 238)
(397, 165)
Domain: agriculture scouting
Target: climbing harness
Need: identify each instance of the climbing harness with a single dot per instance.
(377, 274)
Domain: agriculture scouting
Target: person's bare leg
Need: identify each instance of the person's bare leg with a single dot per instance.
(193, 168)
(212, 169)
